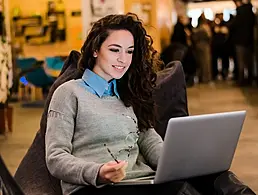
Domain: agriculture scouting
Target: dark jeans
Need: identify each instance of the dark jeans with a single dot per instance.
(225, 63)
(158, 189)
(194, 186)
(244, 56)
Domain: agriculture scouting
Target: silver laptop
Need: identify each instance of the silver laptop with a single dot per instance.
(196, 146)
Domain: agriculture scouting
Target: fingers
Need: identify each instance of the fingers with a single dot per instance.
(114, 166)
(116, 170)
(113, 171)
(116, 176)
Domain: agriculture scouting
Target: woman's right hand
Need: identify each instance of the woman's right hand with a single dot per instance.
(112, 172)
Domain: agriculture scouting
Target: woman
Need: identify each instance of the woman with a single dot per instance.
(202, 38)
(100, 127)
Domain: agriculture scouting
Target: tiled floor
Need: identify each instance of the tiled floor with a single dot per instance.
(202, 99)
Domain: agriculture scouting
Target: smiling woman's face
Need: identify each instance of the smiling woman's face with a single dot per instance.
(115, 55)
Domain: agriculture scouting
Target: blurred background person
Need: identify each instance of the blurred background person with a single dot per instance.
(180, 48)
(220, 47)
(202, 44)
(242, 35)
(231, 48)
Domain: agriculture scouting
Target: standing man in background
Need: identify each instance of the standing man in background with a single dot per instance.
(242, 32)
(220, 47)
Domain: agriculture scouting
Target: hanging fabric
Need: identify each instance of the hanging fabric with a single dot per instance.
(6, 71)
(6, 76)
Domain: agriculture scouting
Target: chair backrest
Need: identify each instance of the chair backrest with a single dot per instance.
(25, 63)
(8, 185)
(54, 63)
(170, 96)
(39, 78)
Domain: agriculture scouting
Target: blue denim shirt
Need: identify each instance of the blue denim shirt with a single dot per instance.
(99, 86)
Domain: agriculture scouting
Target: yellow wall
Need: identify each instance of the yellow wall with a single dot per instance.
(74, 24)
(152, 28)
(161, 21)
(28, 7)
(159, 27)
(164, 13)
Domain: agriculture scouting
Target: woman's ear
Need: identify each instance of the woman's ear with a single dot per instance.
(95, 54)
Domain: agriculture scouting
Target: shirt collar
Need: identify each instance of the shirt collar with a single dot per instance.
(98, 84)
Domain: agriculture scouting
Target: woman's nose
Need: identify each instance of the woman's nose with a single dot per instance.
(121, 58)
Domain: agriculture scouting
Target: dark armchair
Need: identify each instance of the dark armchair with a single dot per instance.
(170, 96)
(8, 186)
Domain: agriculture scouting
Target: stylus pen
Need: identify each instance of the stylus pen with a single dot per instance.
(111, 154)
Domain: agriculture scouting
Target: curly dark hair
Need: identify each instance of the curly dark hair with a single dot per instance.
(136, 86)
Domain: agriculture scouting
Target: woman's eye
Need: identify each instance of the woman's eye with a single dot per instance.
(130, 52)
(114, 50)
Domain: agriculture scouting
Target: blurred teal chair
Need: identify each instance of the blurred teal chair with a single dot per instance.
(31, 71)
(54, 66)
(55, 63)
(39, 78)
(25, 63)
(40, 84)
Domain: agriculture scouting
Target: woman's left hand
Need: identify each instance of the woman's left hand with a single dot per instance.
(112, 172)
